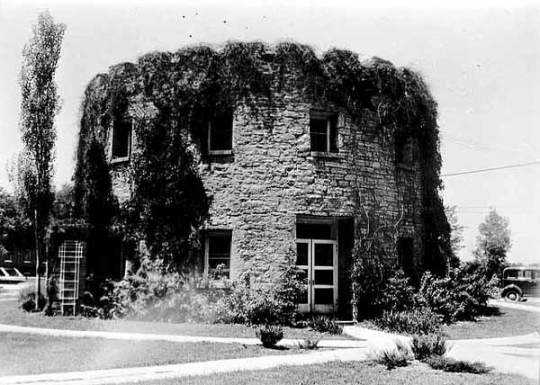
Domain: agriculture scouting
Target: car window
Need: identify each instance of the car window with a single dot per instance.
(11, 272)
(511, 273)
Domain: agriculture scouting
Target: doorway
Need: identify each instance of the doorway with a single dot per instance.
(317, 256)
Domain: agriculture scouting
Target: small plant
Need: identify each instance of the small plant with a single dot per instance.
(269, 335)
(309, 344)
(417, 321)
(324, 324)
(393, 358)
(457, 366)
(27, 300)
(429, 345)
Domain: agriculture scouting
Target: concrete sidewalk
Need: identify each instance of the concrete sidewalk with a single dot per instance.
(168, 337)
(517, 354)
(133, 375)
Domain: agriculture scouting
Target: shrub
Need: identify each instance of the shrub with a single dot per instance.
(459, 296)
(417, 321)
(457, 366)
(324, 324)
(309, 344)
(258, 303)
(269, 335)
(155, 294)
(397, 293)
(393, 358)
(27, 300)
(429, 345)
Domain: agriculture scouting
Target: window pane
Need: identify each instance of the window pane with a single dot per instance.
(324, 297)
(121, 139)
(220, 244)
(324, 277)
(324, 255)
(333, 134)
(317, 130)
(221, 133)
(303, 296)
(314, 231)
(302, 253)
(215, 262)
(219, 253)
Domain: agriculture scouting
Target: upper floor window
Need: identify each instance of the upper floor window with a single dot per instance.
(323, 131)
(121, 140)
(404, 148)
(218, 253)
(220, 132)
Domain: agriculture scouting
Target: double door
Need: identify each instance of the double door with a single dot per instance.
(318, 259)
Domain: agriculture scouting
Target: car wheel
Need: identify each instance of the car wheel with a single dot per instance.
(512, 295)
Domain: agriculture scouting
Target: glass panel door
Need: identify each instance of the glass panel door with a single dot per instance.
(324, 273)
(318, 259)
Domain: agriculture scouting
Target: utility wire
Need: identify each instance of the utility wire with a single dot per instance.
(493, 169)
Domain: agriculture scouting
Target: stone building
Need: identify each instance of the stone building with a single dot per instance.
(298, 179)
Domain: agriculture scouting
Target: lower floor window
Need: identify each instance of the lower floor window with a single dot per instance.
(218, 253)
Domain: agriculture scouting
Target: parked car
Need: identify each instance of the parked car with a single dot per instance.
(518, 282)
(11, 275)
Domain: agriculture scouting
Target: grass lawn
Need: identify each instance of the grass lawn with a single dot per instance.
(10, 314)
(32, 354)
(509, 322)
(340, 373)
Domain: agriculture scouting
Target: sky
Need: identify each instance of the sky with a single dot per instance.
(481, 60)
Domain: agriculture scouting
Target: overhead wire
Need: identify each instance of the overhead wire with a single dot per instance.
(536, 162)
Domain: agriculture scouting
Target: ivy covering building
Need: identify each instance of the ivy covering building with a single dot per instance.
(253, 157)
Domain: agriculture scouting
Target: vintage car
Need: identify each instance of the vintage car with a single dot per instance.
(518, 282)
(11, 275)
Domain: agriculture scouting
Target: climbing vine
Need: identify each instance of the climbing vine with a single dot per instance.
(171, 94)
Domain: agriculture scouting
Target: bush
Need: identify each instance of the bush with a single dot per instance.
(27, 300)
(309, 344)
(393, 358)
(457, 366)
(269, 335)
(155, 294)
(460, 296)
(429, 345)
(397, 293)
(324, 324)
(258, 303)
(417, 321)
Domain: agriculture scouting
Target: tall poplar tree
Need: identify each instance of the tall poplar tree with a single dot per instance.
(39, 107)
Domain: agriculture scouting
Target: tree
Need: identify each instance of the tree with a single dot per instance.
(39, 106)
(456, 235)
(14, 228)
(492, 244)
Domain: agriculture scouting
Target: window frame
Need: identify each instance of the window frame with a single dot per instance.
(331, 135)
(405, 150)
(119, 159)
(212, 120)
(217, 233)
